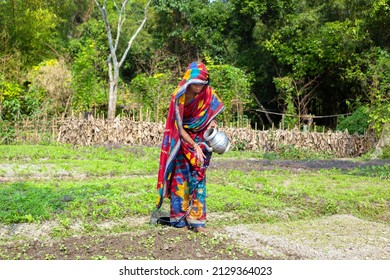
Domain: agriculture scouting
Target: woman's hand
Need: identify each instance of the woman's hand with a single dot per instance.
(198, 150)
(199, 153)
(213, 123)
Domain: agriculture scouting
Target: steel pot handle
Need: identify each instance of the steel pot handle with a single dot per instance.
(208, 148)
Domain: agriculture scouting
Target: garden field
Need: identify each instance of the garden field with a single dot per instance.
(64, 202)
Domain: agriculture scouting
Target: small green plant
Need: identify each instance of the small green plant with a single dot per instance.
(148, 242)
(63, 249)
(49, 257)
(382, 172)
(99, 257)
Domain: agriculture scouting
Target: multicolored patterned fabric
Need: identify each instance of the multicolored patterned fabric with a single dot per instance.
(182, 176)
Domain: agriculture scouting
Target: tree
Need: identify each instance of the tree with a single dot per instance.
(152, 93)
(379, 91)
(54, 79)
(87, 81)
(114, 64)
(190, 29)
(296, 96)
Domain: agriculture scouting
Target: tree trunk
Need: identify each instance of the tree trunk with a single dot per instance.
(113, 63)
(112, 100)
(113, 91)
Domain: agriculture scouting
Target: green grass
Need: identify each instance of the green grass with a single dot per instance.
(97, 184)
(77, 162)
(277, 195)
(65, 152)
(95, 199)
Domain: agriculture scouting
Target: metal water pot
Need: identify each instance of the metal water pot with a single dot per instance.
(216, 141)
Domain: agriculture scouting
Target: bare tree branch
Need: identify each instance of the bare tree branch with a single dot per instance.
(262, 107)
(115, 5)
(103, 11)
(122, 11)
(135, 34)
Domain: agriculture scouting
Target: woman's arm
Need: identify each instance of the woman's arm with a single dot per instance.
(213, 123)
(198, 150)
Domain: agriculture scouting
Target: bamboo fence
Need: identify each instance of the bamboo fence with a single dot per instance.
(37, 130)
(125, 131)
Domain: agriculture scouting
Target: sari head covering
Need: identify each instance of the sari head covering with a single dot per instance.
(194, 118)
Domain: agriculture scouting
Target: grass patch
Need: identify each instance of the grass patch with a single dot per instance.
(60, 161)
(106, 183)
(282, 195)
(92, 200)
(382, 172)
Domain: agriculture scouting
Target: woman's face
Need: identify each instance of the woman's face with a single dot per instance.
(195, 88)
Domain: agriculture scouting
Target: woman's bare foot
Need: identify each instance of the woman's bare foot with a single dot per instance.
(185, 228)
(201, 230)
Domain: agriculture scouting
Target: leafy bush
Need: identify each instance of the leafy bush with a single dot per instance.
(152, 93)
(379, 91)
(232, 85)
(52, 77)
(9, 99)
(356, 123)
(87, 86)
(385, 152)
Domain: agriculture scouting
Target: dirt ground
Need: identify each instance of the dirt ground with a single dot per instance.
(295, 165)
(331, 238)
(335, 237)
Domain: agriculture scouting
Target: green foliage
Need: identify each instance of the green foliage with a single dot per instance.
(342, 45)
(378, 22)
(189, 28)
(322, 42)
(284, 85)
(34, 32)
(240, 145)
(292, 45)
(211, 32)
(87, 86)
(379, 91)
(151, 93)
(38, 29)
(33, 100)
(382, 172)
(22, 202)
(9, 99)
(386, 155)
(358, 122)
(233, 86)
(16, 102)
(53, 78)
(309, 48)
(294, 153)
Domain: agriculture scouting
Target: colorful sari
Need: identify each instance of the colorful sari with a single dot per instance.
(182, 176)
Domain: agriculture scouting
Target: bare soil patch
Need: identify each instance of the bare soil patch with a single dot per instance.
(335, 238)
(295, 165)
(155, 243)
